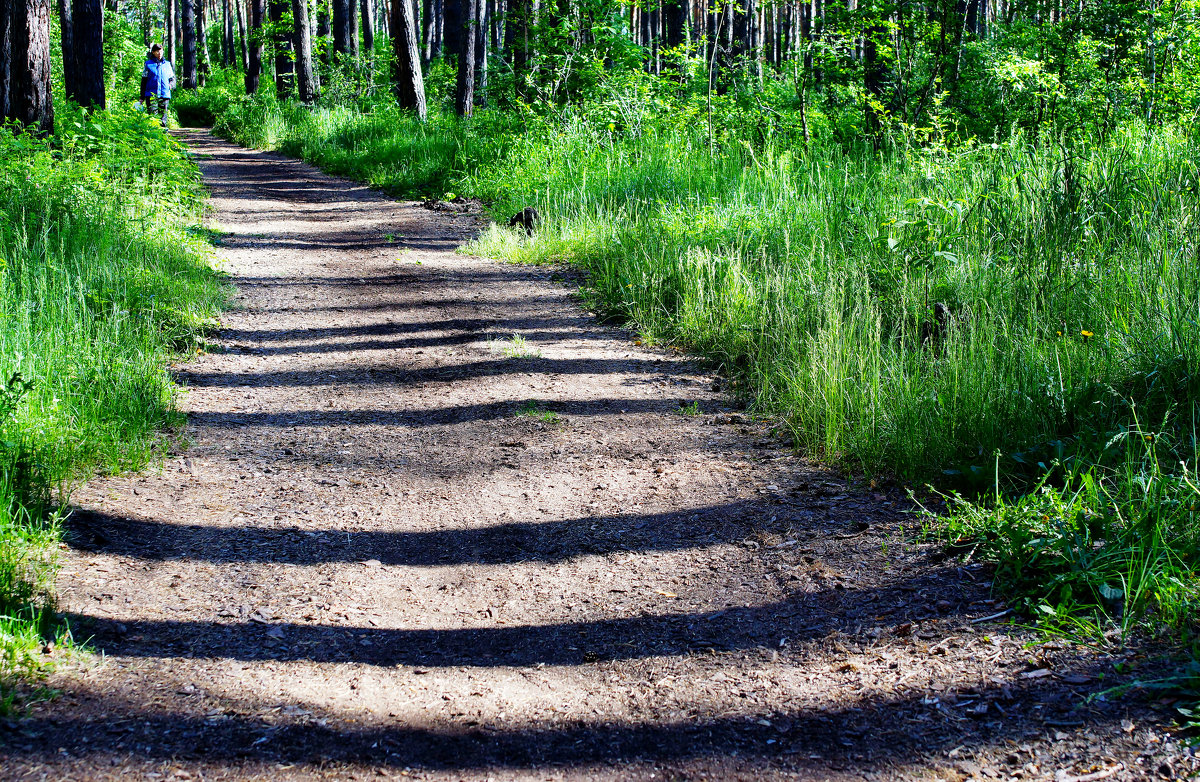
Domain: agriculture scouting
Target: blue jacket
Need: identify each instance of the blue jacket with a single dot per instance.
(160, 78)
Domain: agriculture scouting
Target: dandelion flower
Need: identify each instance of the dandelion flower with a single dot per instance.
(1087, 333)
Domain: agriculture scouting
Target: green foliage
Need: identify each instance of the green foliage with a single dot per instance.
(99, 283)
(1109, 552)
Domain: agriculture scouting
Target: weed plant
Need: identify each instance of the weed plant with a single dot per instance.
(100, 283)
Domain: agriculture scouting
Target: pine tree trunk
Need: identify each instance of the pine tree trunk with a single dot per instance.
(464, 94)
(306, 87)
(439, 29)
(284, 66)
(874, 73)
(169, 31)
(254, 46)
(517, 39)
(227, 35)
(313, 10)
(201, 42)
(66, 29)
(427, 21)
(240, 8)
(6, 60)
(368, 26)
(453, 19)
(87, 56)
(341, 25)
(406, 76)
(188, 31)
(25, 57)
(482, 22)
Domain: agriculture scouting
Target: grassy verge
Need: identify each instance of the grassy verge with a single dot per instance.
(1015, 320)
(101, 281)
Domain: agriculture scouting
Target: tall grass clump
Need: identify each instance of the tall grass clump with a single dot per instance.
(101, 281)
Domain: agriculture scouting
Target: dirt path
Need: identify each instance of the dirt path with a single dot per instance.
(404, 545)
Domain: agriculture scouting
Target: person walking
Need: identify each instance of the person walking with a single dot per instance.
(158, 79)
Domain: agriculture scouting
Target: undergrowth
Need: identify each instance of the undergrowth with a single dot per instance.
(101, 282)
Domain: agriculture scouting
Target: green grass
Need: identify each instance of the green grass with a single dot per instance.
(515, 347)
(538, 412)
(101, 283)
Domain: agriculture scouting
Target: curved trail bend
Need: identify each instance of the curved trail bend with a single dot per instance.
(403, 546)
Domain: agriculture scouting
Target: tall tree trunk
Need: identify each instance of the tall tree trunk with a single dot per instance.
(178, 42)
(464, 93)
(323, 31)
(254, 46)
(439, 29)
(306, 86)
(368, 26)
(201, 41)
(646, 36)
(6, 57)
(314, 43)
(453, 19)
(517, 40)
(240, 7)
(227, 34)
(406, 75)
(482, 22)
(676, 12)
(188, 31)
(25, 57)
(341, 25)
(169, 31)
(66, 28)
(284, 65)
(427, 21)
(87, 56)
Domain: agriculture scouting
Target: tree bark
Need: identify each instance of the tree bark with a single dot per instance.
(226, 34)
(406, 76)
(284, 66)
(254, 46)
(66, 28)
(240, 7)
(368, 26)
(427, 22)
(341, 25)
(188, 31)
(482, 22)
(6, 60)
(169, 31)
(464, 93)
(86, 86)
(201, 41)
(517, 39)
(306, 86)
(25, 58)
(454, 14)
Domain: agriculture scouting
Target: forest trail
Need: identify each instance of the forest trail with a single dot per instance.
(404, 545)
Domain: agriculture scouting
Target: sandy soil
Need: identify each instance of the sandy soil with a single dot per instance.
(404, 545)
